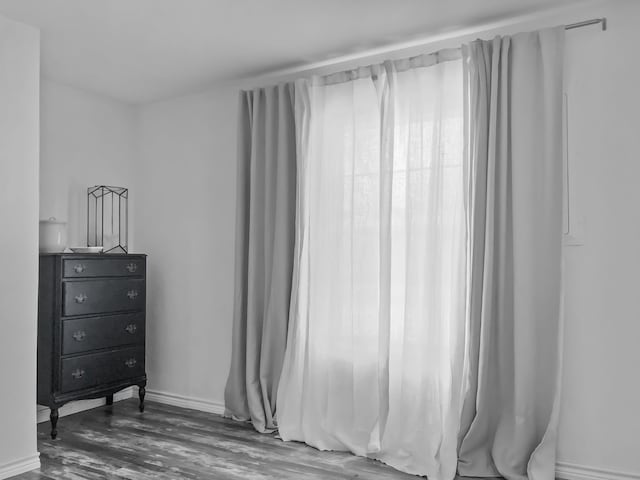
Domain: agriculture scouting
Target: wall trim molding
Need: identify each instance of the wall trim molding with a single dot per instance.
(571, 471)
(22, 465)
(82, 405)
(183, 401)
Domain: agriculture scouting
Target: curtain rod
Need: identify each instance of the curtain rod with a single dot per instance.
(301, 70)
(337, 76)
(586, 23)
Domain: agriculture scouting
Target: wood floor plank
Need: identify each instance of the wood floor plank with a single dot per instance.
(171, 443)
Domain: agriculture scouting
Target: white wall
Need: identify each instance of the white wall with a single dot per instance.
(600, 422)
(19, 94)
(186, 210)
(86, 140)
(186, 224)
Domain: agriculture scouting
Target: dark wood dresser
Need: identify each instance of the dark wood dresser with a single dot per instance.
(91, 328)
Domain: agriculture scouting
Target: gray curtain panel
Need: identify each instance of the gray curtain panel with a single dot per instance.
(509, 421)
(265, 222)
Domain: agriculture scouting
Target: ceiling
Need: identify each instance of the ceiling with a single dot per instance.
(144, 50)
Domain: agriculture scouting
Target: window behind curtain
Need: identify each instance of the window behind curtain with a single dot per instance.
(374, 360)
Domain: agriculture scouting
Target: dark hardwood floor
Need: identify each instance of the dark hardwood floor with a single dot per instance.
(173, 443)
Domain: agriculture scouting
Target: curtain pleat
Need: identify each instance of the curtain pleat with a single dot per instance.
(266, 186)
(375, 348)
(509, 419)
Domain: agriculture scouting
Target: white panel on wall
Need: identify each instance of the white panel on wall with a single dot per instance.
(185, 210)
(19, 97)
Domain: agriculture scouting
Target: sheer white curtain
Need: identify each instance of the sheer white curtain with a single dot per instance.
(375, 347)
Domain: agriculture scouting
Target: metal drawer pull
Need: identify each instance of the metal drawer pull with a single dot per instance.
(79, 336)
(81, 298)
(132, 267)
(79, 268)
(78, 374)
(132, 294)
(131, 362)
(131, 328)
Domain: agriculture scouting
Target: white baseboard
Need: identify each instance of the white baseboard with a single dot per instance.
(82, 405)
(569, 471)
(185, 402)
(17, 467)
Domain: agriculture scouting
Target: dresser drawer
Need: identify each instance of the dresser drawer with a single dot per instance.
(102, 267)
(102, 296)
(94, 333)
(87, 371)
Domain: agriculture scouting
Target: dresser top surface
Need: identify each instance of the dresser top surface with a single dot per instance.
(93, 255)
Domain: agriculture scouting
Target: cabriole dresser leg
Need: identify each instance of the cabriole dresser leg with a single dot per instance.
(141, 392)
(54, 423)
